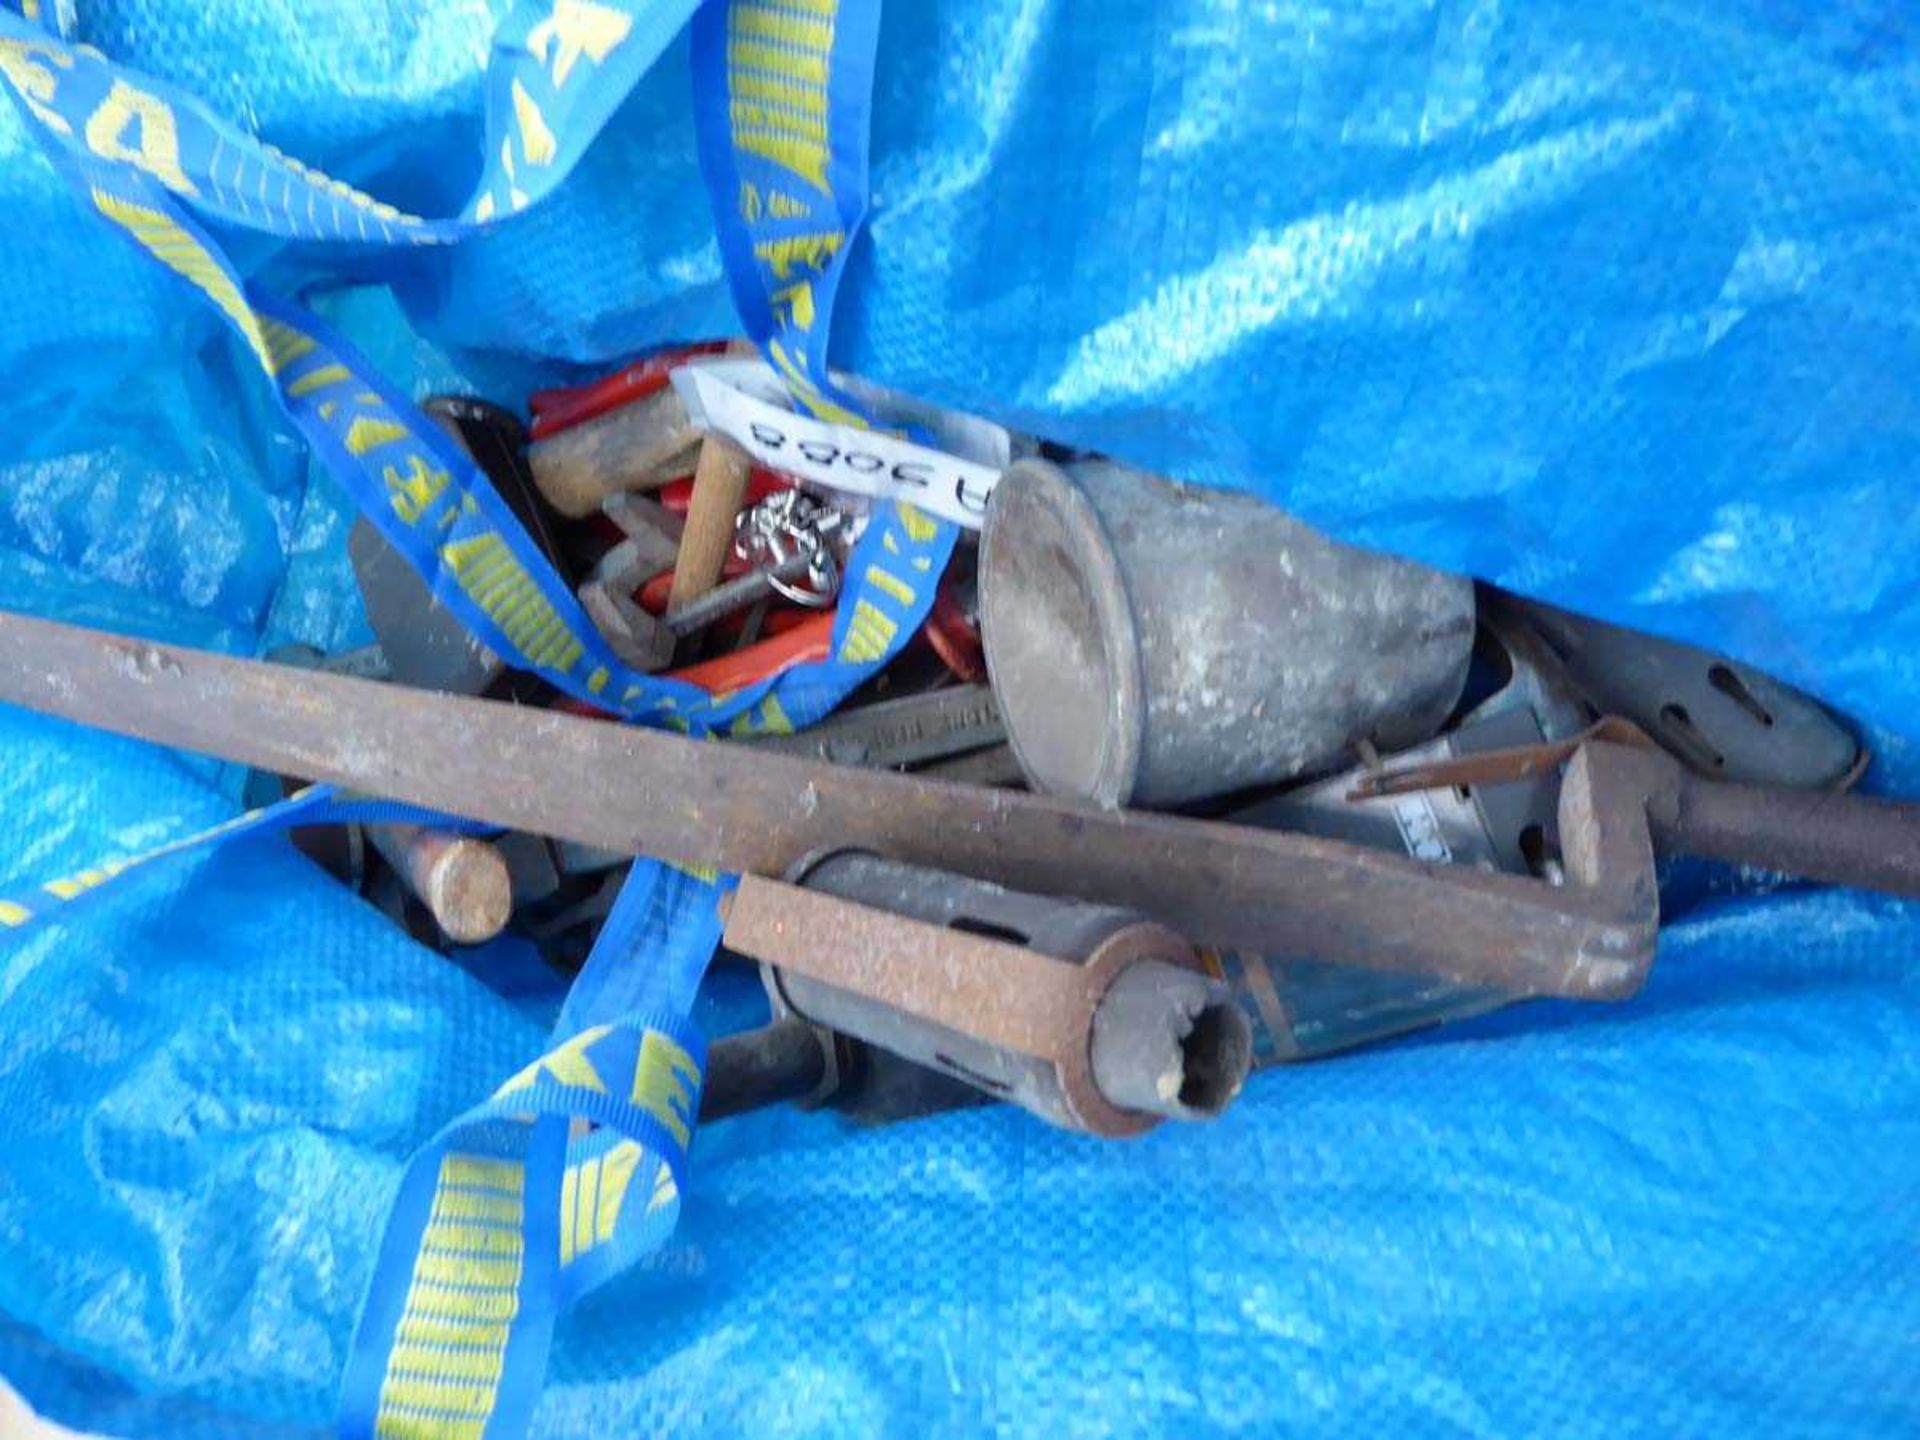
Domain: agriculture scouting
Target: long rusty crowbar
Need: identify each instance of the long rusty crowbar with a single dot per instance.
(737, 808)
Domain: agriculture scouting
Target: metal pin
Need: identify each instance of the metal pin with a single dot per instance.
(736, 595)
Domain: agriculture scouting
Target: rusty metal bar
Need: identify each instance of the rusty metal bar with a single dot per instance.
(1817, 834)
(1002, 994)
(699, 803)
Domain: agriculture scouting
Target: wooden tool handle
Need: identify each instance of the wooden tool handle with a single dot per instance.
(719, 486)
(462, 880)
(640, 446)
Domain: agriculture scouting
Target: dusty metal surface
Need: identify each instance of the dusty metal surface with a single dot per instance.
(1722, 719)
(700, 803)
(1152, 643)
(994, 765)
(1004, 994)
(421, 642)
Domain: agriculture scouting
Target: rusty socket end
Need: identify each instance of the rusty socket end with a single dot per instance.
(1168, 1041)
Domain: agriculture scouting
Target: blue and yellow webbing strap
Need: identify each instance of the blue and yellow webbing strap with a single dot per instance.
(573, 1170)
(782, 93)
(142, 155)
(574, 1167)
(782, 103)
(558, 70)
(23, 910)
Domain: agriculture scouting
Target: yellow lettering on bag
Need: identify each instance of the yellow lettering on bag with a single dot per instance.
(869, 634)
(616, 1173)
(768, 717)
(774, 90)
(576, 28)
(156, 148)
(536, 140)
(499, 585)
(400, 1425)
(370, 432)
(20, 62)
(318, 379)
(796, 67)
(809, 394)
(173, 247)
(413, 492)
(805, 158)
(567, 1064)
(481, 1173)
(664, 1079)
(793, 306)
(410, 1393)
(920, 526)
(776, 26)
(890, 584)
(750, 114)
(285, 344)
(799, 253)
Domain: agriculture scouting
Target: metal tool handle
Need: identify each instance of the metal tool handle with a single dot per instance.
(735, 595)
(1836, 839)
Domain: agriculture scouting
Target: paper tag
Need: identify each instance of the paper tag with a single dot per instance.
(746, 401)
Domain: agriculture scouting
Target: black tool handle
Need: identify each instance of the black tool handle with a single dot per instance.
(786, 1060)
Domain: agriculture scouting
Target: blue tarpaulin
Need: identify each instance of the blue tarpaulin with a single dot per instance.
(1617, 305)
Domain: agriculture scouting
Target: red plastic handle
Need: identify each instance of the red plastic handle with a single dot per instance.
(808, 641)
(557, 410)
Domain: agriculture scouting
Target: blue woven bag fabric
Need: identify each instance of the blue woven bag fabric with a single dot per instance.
(1617, 304)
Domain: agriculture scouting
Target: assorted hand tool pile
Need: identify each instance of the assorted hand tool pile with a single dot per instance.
(1168, 787)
